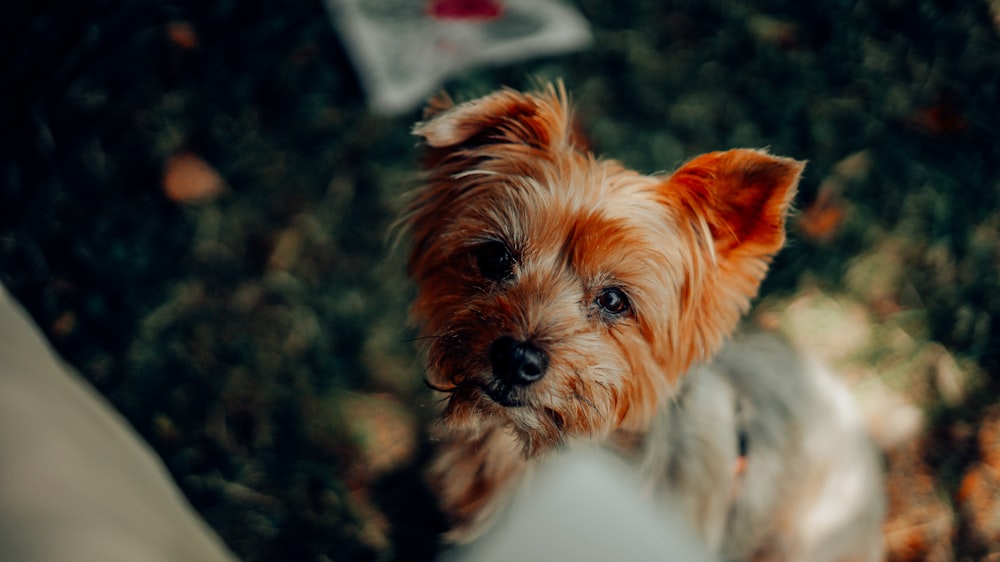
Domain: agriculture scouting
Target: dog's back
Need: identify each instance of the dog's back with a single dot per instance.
(769, 456)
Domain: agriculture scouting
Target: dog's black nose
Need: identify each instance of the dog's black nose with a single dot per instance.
(517, 362)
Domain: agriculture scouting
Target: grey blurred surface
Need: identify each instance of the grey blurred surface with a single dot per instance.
(584, 505)
(76, 482)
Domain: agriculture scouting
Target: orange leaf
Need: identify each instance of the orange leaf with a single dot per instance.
(189, 179)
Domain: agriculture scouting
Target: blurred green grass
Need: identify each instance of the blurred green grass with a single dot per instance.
(237, 334)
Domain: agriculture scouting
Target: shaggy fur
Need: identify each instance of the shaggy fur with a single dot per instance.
(563, 297)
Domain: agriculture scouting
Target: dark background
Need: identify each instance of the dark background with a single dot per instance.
(257, 337)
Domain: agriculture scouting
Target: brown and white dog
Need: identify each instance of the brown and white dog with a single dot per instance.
(565, 298)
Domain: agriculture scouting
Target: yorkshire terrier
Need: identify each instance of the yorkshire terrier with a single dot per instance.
(566, 298)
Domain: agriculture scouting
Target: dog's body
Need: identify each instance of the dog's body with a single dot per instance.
(565, 297)
(767, 455)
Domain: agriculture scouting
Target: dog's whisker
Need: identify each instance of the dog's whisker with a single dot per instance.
(426, 338)
(580, 397)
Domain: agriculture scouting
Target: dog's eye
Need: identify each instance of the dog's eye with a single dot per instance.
(612, 301)
(494, 260)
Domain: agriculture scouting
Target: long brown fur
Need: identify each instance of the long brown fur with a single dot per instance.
(688, 250)
(694, 244)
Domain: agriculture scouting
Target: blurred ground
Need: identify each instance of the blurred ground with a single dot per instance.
(194, 201)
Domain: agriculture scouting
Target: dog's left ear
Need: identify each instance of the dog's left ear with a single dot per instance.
(540, 120)
(743, 196)
(733, 204)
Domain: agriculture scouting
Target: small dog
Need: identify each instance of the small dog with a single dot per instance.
(565, 297)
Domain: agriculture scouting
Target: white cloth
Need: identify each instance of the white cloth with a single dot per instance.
(587, 506)
(76, 481)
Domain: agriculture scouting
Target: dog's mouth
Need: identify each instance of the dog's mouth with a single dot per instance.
(502, 395)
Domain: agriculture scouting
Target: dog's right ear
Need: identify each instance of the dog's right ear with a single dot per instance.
(448, 125)
(460, 138)
(507, 116)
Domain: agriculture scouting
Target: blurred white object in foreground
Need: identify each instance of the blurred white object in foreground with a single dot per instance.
(76, 482)
(587, 506)
(404, 49)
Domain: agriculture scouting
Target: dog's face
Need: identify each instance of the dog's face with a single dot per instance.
(563, 295)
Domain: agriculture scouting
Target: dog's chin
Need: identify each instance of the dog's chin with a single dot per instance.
(502, 394)
(483, 403)
(476, 408)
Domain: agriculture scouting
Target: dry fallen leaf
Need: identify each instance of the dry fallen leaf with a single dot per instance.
(920, 524)
(182, 34)
(383, 429)
(189, 179)
(821, 221)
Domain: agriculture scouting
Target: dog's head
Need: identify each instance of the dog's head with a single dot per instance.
(563, 295)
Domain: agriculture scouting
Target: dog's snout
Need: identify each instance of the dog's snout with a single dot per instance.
(517, 362)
